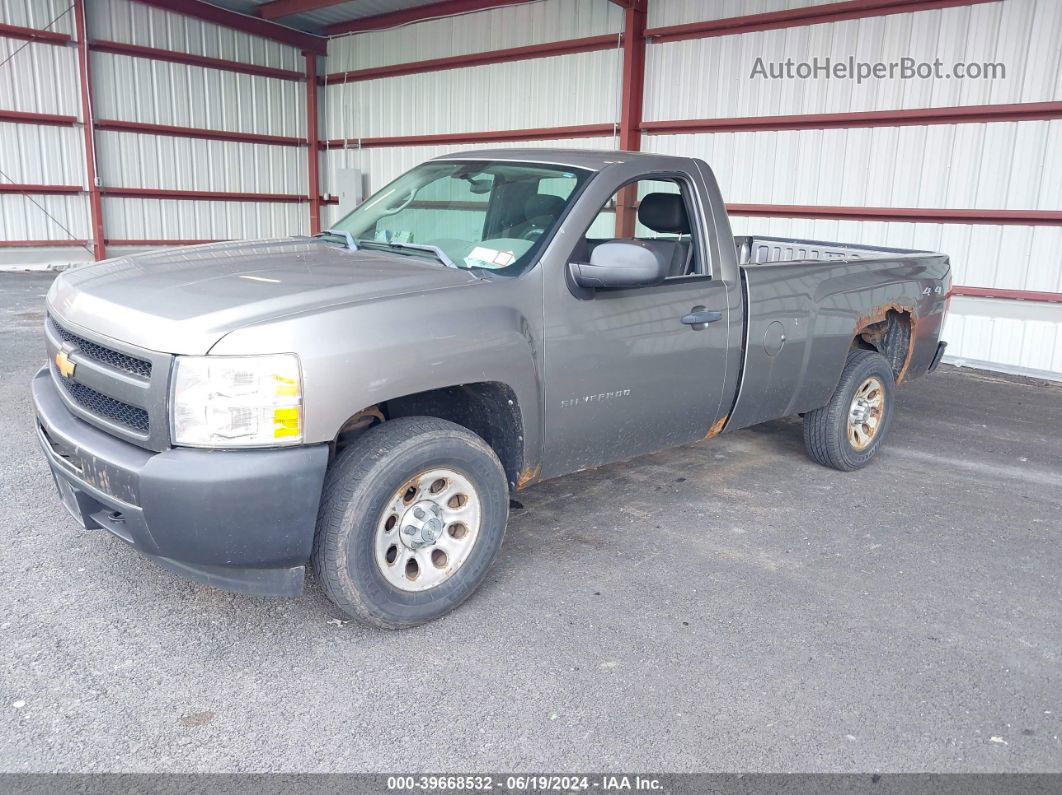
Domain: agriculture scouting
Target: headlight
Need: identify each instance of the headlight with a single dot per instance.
(237, 401)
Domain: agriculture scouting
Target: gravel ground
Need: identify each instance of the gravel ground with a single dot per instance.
(724, 606)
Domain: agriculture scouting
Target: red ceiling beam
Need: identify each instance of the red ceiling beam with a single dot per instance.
(534, 134)
(313, 156)
(921, 215)
(962, 114)
(797, 17)
(392, 19)
(95, 201)
(156, 54)
(549, 49)
(20, 187)
(248, 24)
(285, 8)
(116, 125)
(22, 117)
(202, 195)
(34, 34)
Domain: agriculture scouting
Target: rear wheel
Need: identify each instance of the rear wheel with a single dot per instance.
(846, 433)
(412, 517)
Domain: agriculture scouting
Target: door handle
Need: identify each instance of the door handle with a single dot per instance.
(699, 317)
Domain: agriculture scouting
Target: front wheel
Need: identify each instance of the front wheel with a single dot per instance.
(412, 517)
(846, 433)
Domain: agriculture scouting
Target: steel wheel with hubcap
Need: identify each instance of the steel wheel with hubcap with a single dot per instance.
(412, 517)
(846, 433)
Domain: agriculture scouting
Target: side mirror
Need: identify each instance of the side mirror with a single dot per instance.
(619, 264)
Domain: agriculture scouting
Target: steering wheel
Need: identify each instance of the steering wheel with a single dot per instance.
(532, 233)
(408, 200)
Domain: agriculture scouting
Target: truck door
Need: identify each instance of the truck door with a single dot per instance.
(628, 371)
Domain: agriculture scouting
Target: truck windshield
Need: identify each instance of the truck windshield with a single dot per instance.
(470, 214)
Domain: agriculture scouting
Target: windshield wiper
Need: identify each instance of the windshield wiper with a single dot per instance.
(438, 252)
(352, 244)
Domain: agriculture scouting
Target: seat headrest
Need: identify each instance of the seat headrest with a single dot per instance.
(541, 204)
(664, 212)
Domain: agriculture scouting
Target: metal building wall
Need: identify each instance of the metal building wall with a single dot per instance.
(366, 119)
(38, 160)
(998, 169)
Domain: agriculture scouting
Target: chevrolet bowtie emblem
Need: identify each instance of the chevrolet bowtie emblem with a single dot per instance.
(65, 365)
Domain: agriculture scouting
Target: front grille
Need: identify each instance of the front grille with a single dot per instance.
(107, 356)
(131, 417)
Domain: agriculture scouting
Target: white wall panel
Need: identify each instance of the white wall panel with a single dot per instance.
(711, 77)
(381, 165)
(547, 92)
(159, 92)
(493, 29)
(171, 219)
(1017, 336)
(134, 160)
(982, 255)
(680, 12)
(55, 15)
(1002, 165)
(39, 78)
(41, 155)
(135, 23)
(37, 217)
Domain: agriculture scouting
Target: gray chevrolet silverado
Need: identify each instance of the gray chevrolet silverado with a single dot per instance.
(367, 399)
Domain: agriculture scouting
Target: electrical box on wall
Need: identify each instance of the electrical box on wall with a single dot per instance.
(348, 189)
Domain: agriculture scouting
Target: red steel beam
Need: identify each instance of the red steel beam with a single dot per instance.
(313, 156)
(1024, 111)
(156, 54)
(534, 134)
(17, 187)
(633, 89)
(116, 125)
(99, 249)
(797, 17)
(902, 214)
(567, 47)
(206, 195)
(1017, 295)
(285, 8)
(23, 117)
(393, 19)
(43, 243)
(34, 34)
(306, 42)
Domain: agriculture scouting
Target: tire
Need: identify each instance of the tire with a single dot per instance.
(827, 434)
(366, 512)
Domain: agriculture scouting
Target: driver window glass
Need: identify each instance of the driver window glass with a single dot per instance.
(662, 221)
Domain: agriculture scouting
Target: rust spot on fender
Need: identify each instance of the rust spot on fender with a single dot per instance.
(871, 328)
(717, 426)
(528, 476)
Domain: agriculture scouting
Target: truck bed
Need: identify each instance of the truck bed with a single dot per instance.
(806, 301)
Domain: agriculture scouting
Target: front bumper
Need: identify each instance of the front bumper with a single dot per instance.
(239, 520)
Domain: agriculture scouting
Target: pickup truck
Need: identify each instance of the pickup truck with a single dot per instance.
(367, 399)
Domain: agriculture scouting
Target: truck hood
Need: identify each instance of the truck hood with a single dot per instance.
(184, 300)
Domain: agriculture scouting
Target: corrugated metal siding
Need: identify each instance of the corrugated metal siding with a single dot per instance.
(38, 78)
(135, 23)
(380, 166)
(680, 12)
(711, 77)
(1001, 165)
(159, 92)
(547, 92)
(41, 155)
(494, 29)
(26, 217)
(57, 15)
(171, 219)
(167, 162)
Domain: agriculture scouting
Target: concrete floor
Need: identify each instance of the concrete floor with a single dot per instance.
(741, 609)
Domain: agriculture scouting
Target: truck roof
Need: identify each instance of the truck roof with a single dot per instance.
(593, 159)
